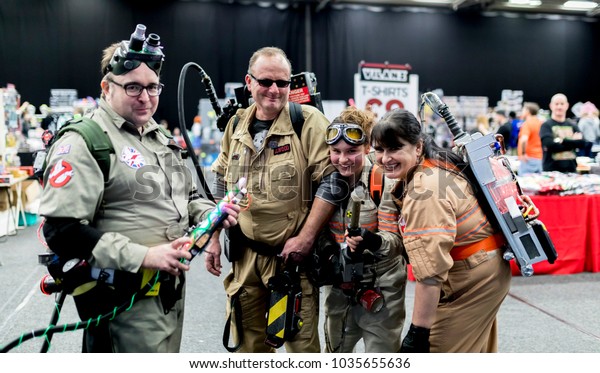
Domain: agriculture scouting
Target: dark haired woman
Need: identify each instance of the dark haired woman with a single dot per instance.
(454, 251)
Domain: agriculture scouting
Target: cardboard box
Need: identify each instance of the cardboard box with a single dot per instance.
(31, 191)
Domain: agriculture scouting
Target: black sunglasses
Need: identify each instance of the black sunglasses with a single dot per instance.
(267, 83)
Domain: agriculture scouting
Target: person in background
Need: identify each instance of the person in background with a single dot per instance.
(514, 132)
(504, 127)
(165, 125)
(278, 224)
(196, 134)
(529, 147)
(560, 138)
(590, 127)
(178, 137)
(482, 124)
(114, 222)
(455, 253)
(351, 313)
(50, 120)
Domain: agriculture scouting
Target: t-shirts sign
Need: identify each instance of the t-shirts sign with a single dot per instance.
(384, 87)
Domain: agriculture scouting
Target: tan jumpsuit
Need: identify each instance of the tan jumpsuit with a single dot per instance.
(280, 178)
(441, 215)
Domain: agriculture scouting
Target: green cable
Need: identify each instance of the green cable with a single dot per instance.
(45, 335)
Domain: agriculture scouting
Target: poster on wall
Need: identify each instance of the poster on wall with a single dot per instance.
(384, 86)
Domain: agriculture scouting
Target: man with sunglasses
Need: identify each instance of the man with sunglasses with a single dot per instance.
(131, 221)
(277, 223)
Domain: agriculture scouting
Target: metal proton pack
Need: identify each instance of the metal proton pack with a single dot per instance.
(498, 192)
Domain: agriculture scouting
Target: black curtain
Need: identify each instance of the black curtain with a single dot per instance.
(47, 44)
(466, 54)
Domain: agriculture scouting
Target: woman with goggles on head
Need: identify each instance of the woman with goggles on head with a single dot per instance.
(453, 249)
(370, 306)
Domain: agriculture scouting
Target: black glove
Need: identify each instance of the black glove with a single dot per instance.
(416, 340)
(370, 241)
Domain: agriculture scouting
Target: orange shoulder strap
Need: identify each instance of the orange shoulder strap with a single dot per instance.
(376, 183)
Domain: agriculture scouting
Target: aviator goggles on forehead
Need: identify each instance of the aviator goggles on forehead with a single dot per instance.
(267, 83)
(353, 134)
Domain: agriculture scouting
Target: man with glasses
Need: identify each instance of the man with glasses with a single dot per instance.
(130, 222)
(278, 222)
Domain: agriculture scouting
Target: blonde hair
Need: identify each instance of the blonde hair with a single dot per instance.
(107, 54)
(268, 52)
(364, 118)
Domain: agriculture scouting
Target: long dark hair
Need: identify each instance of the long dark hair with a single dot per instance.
(401, 124)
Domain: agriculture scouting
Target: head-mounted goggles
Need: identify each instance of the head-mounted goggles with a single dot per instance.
(130, 54)
(353, 134)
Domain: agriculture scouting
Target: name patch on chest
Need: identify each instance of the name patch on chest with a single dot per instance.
(282, 149)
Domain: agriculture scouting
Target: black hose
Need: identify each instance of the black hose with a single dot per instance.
(213, 100)
(50, 330)
(53, 320)
(440, 108)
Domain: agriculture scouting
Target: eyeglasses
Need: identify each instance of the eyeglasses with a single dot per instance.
(267, 83)
(353, 134)
(135, 89)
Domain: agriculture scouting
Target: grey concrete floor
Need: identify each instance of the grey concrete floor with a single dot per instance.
(542, 314)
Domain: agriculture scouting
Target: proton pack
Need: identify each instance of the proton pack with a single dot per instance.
(499, 193)
(303, 91)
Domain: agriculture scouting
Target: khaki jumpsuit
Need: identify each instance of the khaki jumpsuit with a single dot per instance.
(280, 178)
(441, 215)
(144, 203)
(347, 321)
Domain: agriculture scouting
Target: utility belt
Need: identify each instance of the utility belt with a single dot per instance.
(123, 281)
(258, 247)
(262, 248)
(490, 243)
(103, 296)
(236, 240)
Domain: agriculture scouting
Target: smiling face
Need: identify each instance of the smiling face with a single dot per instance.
(398, 143)
(348, 159)
(398, 161)
(136, 110)
(269, 100)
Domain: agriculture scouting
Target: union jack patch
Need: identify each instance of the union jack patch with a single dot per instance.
(132, 157)
(63, 149)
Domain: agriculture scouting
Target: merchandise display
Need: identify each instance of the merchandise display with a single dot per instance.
(559, 184)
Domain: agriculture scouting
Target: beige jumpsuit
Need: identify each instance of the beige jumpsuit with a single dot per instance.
(441, 214)
(144, 203)
(280, 178)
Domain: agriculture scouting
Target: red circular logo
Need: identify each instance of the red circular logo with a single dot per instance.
(61, 174)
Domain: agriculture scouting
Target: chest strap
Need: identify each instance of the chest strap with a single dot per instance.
(490, 243)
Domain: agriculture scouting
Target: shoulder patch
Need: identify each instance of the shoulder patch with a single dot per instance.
(61, 174)
(63, 149)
